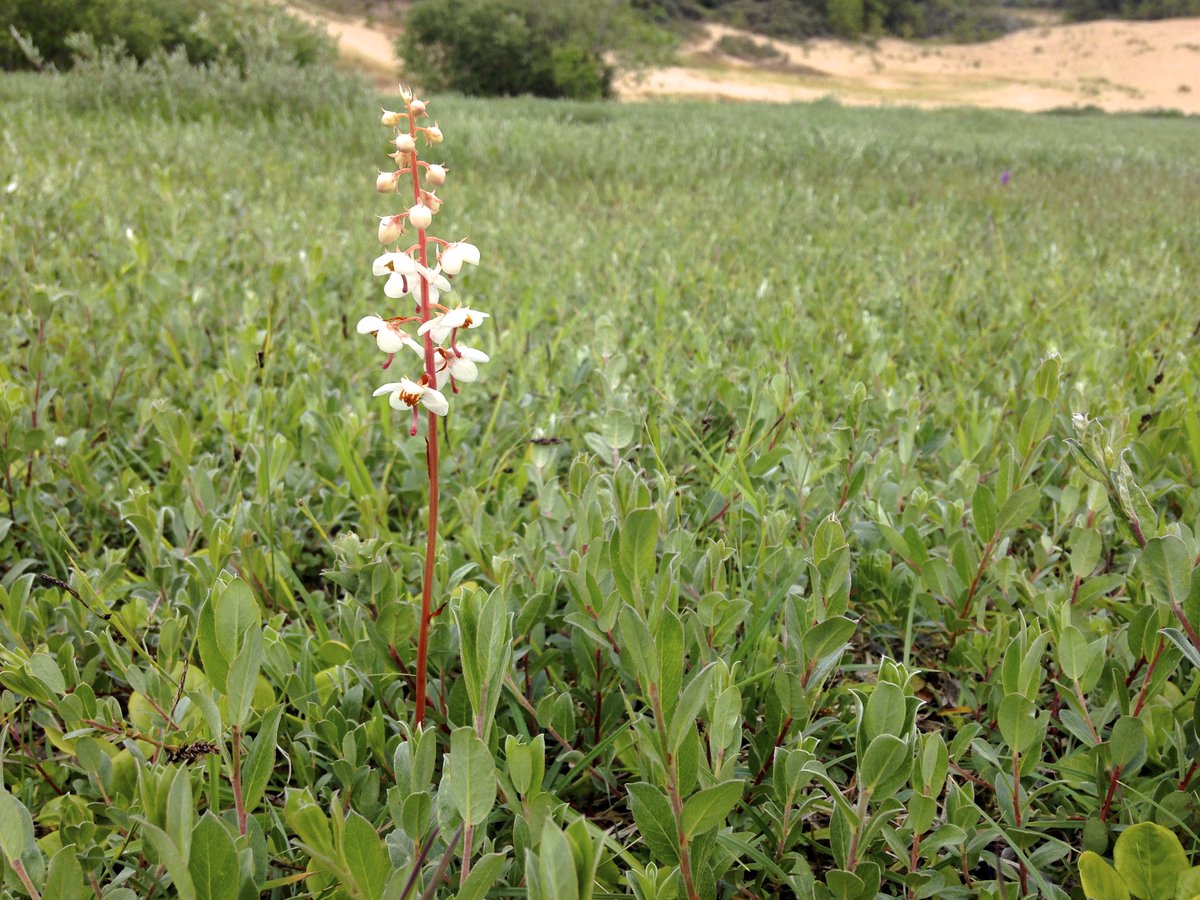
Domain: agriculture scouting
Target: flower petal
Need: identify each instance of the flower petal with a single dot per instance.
(390, 339)
(471, 353)
(390, 388)
(435, 402)
(469, 252)
(397, 286)
(428, 326)
(369, 324)
(464, 370)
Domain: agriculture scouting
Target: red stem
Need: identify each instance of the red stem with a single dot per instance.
(431, 458)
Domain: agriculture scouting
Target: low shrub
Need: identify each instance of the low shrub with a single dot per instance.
(203, 30)
(546, 48)
(741, 46)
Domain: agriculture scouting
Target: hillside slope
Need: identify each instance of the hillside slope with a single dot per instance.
(1113, 65)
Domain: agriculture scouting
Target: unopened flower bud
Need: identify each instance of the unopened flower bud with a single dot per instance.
(421, 216)
(404, 142)
(390, 229)
(435, 175)
(434, 134)
(386, 182)
(392, 119)
(417, 107)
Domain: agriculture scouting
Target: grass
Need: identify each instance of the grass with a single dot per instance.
(803, 336)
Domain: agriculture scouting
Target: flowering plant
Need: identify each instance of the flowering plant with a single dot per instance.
(445, 359)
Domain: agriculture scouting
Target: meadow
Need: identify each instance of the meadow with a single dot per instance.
(765, 551)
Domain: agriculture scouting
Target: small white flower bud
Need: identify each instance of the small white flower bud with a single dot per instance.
(406, 94)
(417, 107)
(435, 175)
(386, 182)
(404, 142)
(390, 229)
(421, 216)
(434, 134)
(392, 119)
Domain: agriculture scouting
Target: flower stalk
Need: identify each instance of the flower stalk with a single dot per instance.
(409, 275)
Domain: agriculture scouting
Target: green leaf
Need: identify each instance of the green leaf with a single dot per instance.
(556, 865)
(1127, 742)
(470, 776)
(827, 637)
(885, 766)
(1018, 722)
(237, 615)
(484, 874)
(885, 711)
(639, 537)
(64, 878)
(1169, 565)
(1018, 508)
(1188, 886)
(243, 675)
(638, 645)
(43, 667)
(1073, 653)
(260, 761)
(983, 510)
(691, 701)
(1086, 547)
(16, 826)
(1150, 860)
(181, 813)
(170, 856)
(655, 821)
(213, 862)
(708, 808)
(1100, 880)
(1184, 643)
(366, 857)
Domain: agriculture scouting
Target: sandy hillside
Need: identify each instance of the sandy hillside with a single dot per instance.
(1110, 64)
(1118, 66)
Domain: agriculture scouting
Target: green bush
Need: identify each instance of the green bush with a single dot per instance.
(741, 46)
(547, 48)
(205, 30)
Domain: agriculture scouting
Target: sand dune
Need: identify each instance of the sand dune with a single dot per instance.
(1114, 65)
(1117, 66)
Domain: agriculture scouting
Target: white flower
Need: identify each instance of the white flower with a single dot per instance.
(434, 134)
(421, 216)
(417, 107)
(459, 364)
(404, 143)
(389, 336)
(391, 119)
(406, 394)
(455, 255)
(400, 269)
(441, 327)
(435, 175)
(438, 284)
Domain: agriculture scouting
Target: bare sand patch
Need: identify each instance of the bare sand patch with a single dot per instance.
(1113, 65)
